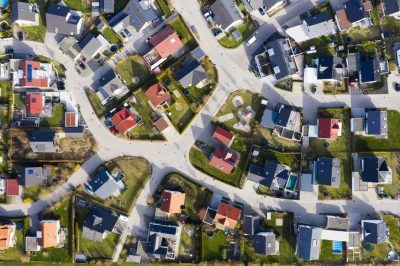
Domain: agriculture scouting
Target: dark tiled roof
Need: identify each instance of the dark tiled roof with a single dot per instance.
(319, 18)
(58, 10)
(354, 10)
(374, 231)
(42, 136)
(325, 67)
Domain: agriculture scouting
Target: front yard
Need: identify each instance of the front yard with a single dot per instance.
(212, 246)
(133, 71)
(180, 112)
(15, 254)
(5, 90)
(246, 29)
(56, 119)
(183, 32)
(264, 136)
(111, 36)
(392, 222)
(37, 33)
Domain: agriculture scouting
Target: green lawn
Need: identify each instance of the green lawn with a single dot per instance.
(18, 100)
(183, 32)
(146, 130)
(362, 35)
(15, 253)
(5, 90)
(37, 33)
(56, 64)
(323, 8)
(212, 247)
(286, 238)
(200, 160)
(55, 120)
(111, 36)
(246, 29)
(265, 134)
(119, 5)
(133, 67)
(378, 253)
(327, 254)
(180, 113)
(333, 88)
(137, 172)
(286, 158)
(164, 8)
(189, 246)
(196, 197)
(33, 192)
(80, 5)
(97, 106)
(392, 223)
(364, 143)
(249, 99)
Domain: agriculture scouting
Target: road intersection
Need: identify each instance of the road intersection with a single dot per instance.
(172, 155)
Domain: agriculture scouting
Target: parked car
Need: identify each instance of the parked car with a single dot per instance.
(20, 35)
(9, 50)
(61, 85)
(216, 32)
(261, 10)
(397, 86)
(63, 67)
(61, 78)
(82, 65)
(251, 41)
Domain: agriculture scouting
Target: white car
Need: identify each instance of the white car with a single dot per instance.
(251, 41)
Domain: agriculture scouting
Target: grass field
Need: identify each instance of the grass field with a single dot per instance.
(111, 36)
(5, 90)
(183, 32)
(246, 29)
(180, 113)
(55, 120)
(16, 253)
(265, 134)
(392, 223)
(57, 65)
(164, 8)
(378, 253)
(133, 67)
(18, 100)
(97, 106)
(212, 247)
(79, 5)
(327, 254)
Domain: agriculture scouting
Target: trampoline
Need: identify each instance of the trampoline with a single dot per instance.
(337, 246)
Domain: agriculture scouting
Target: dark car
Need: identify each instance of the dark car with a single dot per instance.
(82, 65)
(63, 67)
(20, 35)
(397, 87)
(262, 12)
(60, 85)
(9, 50)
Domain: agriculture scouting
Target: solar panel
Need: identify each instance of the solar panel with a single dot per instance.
(30, 171)
(29, 74)
(134, 17)
(33, 100)
(148, 13)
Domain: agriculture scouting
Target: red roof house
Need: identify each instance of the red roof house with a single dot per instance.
(34, 104)
(124, 120)
(161, 124)
(71, 119)
(12, 187)
(172, 201)
(227, 216)
(329, 128)
(223, 160)
(157, 95)
(166, 42)
(223, 136)
(31, 74)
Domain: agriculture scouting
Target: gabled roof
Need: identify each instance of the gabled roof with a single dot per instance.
(107, 6)
(12, 187)
(42, 136)
(31, 74)
(161, 124)
(279, 64)
(373, 169)
(227, 215)
(91, 45)
(265, 243)
(34, 103)
(374, 231)
(308, 245)
(61, 19)
(50, 233)
(283, 116)
(172, 201)
(103, 184)
(369, 70)
(223, 160)
(97, 222)
(5, 235)
(342, 19)
(317, 19)
(123, 120)
(390, 7)
(223, 136)
(22, 11)
(354, 10)
(376, 122)
(225, 13)
(157, 94)
(325, 67)
(327, 171)
(250, 224)
(328, 128)
(191, 74)
(71, 119)
(166, 42)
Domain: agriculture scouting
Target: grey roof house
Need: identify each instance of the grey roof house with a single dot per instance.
(107, 6)
(327, 171)
(226, 14)
(90, 45)
(270, 6)
(374, 169)
(103, 185)
(193, 74)
(308, 244)
(61, 19)
(391, 8)
(369, 69)
(376, 123)
(32, 176)
(265, 243)
(24, 14)
(98, 224)
(42, 141)
(110, 86)
(330, 68)
(273, 175)
(354, 14)
(374, 231)
(251, 224)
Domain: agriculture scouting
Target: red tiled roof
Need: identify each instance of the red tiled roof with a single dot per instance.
(343, 20)
(328, 128)
(12, 187)
(123, 120)
(34, 103)
(35, 82)
(161, 124)
(157, 94)
(71, 119)
(166, 42)
(223, 136)
(223, 160)
(227, 215)
(171, 201)
(50, 236)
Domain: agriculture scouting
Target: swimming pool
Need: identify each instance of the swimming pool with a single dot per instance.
(337, 246)
(4, 3)
(291, 183)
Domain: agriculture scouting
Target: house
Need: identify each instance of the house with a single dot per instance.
(312, 27)
(308, 246)
(95, 7)
(270, 6)
(198, 53)
(329, 128)
(71, 119)
(110, 86)
(134, 18)
(251, 224)
(376, 123)
(273, 175)
(24, 14)
(158, 95)
(374, 231)
(34, 104)
(287, 123)
(223, 160)
(276, 60)
(32, 176)
(226, 14)
(161, 124)
(12, 187)
(104, 185)
(43, 141)
(193, 74)
(265, 243)
(391, 8)
(327, 171)
(7, 235)
(50, 233)
(354, 14)
(223, 136)
(63, 20)
(330, 69)
(227, 216)
(124, 120)
(374, 169)
(74, 132)
(162, 241)
(70, 46)
(353, 68)
(90, 45)
(27, 73)
(369, 70)
(337, 223)
(172, 201)
(107, 6)
(165, 43)
(99, 224)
